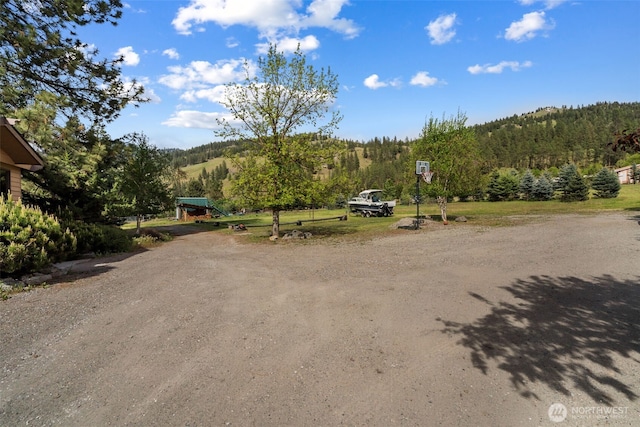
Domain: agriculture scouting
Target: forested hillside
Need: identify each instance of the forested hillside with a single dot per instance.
(552, 137)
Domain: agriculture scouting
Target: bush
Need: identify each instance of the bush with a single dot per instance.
(606, 184)
(150, 237)
(100, 238)
(30, 239)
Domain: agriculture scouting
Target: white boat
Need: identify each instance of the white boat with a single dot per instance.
(370, 203)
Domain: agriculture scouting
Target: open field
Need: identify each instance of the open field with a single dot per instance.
(453, 326)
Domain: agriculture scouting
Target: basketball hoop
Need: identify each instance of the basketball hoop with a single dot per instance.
(427, 176)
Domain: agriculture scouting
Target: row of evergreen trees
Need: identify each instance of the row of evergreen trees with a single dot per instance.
(570, 185)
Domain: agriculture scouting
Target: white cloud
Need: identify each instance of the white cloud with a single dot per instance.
(498, 68)
(289, 44)
(129, 56)
(201, 74)
(128, 6)
(232, 42)
(373, 82)
(197, 119)
(422, 78)
(171, 53)
(527, 27)
(549, 4)
(269, 17)
(441, 30)
(214, 94)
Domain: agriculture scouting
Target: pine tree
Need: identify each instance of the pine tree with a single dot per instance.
(542, 189)
(493, 190)
(606, 184)
(195, 188)
(526, 185)
(502, 187)
(144, 179)
(572, 185)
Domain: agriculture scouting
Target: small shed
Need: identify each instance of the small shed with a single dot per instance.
(625, 174)
(196, 208)
(16, 155)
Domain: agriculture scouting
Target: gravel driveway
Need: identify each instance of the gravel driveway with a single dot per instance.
(455, 326)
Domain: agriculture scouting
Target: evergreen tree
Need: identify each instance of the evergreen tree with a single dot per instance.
(81, 166)
(494, 193)
(526, 185)
(144, 179)
(195, 188)
(572, 185)
(40, 52)
(389, 190)
(503, 187)
(564, 175)
(213, 189)
(542, 189)
(606, 184)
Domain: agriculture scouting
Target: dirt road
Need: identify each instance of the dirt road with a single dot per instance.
(452, 326)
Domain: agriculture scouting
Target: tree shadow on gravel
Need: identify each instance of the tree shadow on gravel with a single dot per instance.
(563, 332)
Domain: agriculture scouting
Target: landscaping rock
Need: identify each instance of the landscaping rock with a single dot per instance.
(409, 223)
(36, 279)
(296, 234)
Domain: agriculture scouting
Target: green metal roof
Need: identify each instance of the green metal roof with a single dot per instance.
(198, 202)
(195, 201)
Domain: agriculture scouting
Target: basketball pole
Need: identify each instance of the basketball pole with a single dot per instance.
(417, 202)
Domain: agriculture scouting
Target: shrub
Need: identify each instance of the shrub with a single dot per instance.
(95, 237)
(100, 238)
(150, 237)
(606, 184)
(30, 239)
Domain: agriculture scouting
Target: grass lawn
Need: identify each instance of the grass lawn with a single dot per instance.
(479, 213)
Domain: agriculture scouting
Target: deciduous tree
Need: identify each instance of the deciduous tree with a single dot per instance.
(452, 150)
(283, 97)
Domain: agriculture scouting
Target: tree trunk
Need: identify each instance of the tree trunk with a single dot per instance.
(275, 224)
(442, 202)
(138, 221)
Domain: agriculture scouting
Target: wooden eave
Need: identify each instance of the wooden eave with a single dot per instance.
(22, 154)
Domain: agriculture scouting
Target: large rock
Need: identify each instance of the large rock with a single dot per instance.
(296, 234)
(409, 223)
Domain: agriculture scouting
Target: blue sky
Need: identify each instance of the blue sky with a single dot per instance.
(397, 61)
